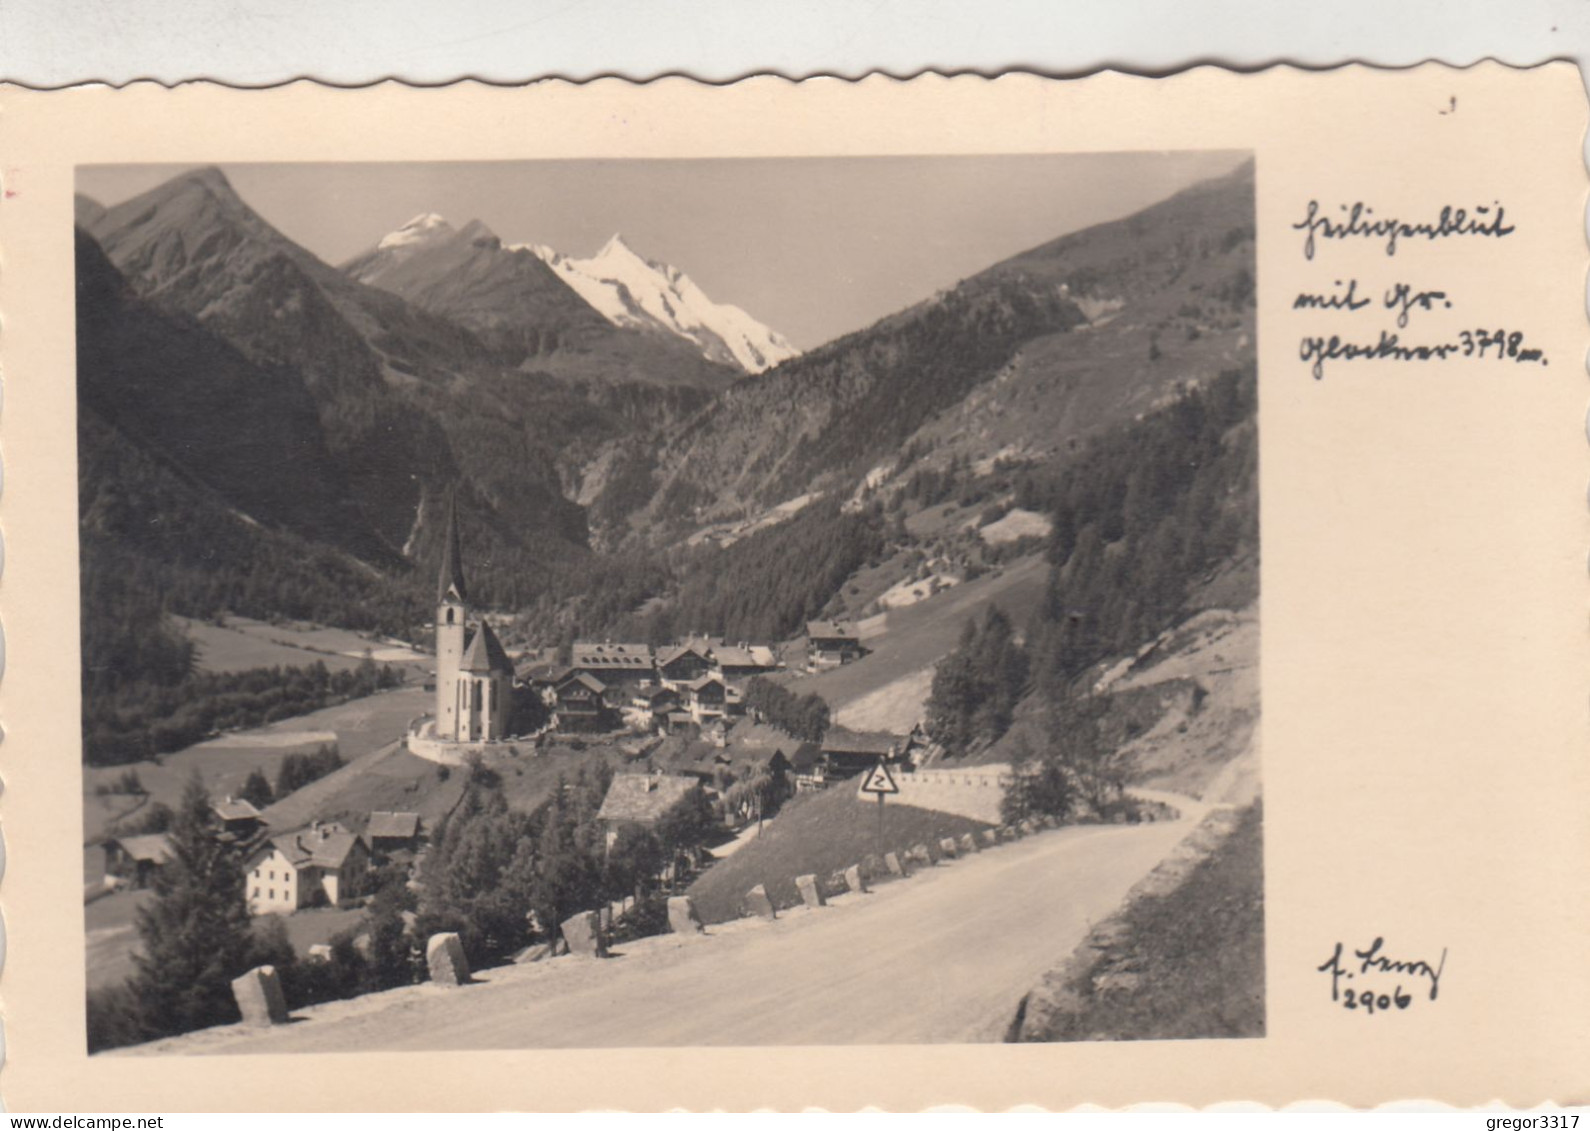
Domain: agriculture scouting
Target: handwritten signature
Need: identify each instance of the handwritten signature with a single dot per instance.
(1373, 960)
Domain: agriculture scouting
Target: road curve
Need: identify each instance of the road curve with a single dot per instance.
(941, 957)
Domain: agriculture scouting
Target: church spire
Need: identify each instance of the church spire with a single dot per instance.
(451, 586)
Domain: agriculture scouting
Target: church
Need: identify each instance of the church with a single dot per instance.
(474, 683)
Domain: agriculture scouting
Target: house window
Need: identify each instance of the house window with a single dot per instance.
(256, 890)
(449, 616)
(273, 875)
(271, 894)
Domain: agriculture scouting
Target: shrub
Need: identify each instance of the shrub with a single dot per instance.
(114, 1019)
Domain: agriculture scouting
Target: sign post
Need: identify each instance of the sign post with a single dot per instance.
(880, 782)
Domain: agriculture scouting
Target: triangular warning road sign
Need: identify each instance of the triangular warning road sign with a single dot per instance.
(879, 780)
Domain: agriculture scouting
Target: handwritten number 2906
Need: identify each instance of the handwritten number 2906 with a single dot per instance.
(1370, 1002)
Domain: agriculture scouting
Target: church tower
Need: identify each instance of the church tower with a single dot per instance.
(452, 608)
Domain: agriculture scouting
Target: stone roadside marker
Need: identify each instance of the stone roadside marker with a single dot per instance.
(947, 847)
(259, 997)
(320, 952)
(682, 917)
(583, 933)
(444, 954)
(969, 844)
(757, 903)
(990, 836)
(811, 895)
(854, 879)
(894, 864)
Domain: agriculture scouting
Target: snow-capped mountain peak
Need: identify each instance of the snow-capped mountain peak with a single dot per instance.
(423, 228)
(629, 290)
(615, 246)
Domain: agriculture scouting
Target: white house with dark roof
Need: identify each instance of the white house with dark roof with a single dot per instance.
(322, 864)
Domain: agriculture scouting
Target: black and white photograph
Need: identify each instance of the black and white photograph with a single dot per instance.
(632, 603)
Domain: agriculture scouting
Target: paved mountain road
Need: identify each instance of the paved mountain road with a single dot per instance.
(941, 957)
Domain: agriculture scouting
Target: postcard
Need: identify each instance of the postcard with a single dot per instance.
(978, 591)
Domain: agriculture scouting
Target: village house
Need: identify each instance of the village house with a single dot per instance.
(649, 706)
(684, 663)
(710, 698)
(613, 664)
(236, 819)
(323, 864)
(741, 661)
(542, 680)
(582, 704)
(678, 720)
(641, 800)
(136, 859)
(809, 768)
(847, 753)
(830, 644)
(919, 748)
(387, 833)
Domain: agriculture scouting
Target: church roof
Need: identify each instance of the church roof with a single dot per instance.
(485, 653)
(451, 584)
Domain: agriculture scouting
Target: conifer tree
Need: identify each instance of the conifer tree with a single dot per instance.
(194, 936)
(257, 789)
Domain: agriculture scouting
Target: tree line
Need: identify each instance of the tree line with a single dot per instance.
(503, 878)
(801, 716)
(131, 716)
(295, 772)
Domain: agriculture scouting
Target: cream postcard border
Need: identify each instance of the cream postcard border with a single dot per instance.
(1423, 533)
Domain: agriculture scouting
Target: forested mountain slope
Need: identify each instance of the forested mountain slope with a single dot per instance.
(1030, 354)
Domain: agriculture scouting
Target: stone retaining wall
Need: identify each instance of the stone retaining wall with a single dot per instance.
(974, 792)
(423, 744)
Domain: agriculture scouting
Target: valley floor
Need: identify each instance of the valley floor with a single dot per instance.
(943, 957)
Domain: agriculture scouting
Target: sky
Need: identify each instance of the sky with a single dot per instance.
(814, 247)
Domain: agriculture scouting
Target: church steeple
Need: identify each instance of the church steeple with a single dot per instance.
(452, 610)
(451, 587)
